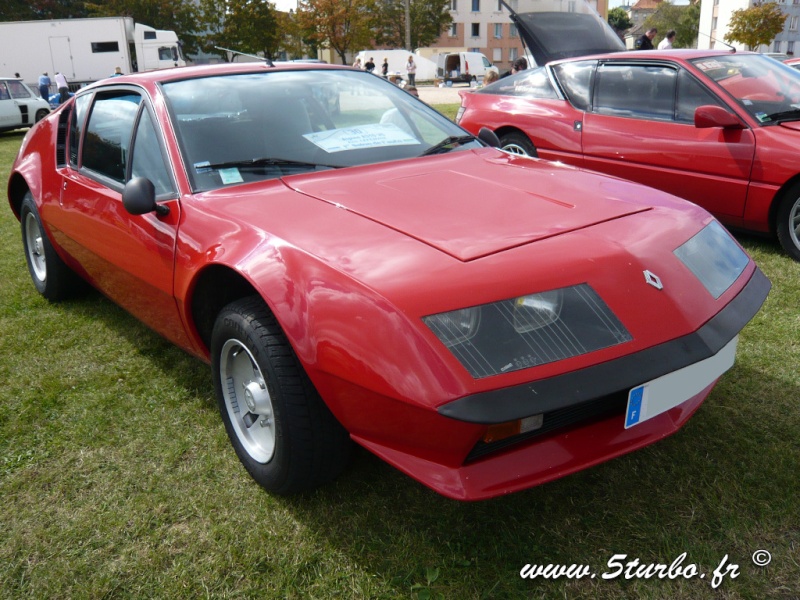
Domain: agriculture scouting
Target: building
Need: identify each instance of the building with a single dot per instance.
(484, 26)
(716, 14)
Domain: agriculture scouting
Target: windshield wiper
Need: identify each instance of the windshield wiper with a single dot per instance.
(448, 141)
(267, 161)
(786, 115)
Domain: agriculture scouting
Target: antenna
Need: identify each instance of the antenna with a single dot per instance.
(264, 58)
(733, 48)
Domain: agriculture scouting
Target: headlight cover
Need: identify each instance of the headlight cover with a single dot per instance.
(714, 258)
(528, 331)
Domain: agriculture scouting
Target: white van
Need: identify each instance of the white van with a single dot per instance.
(465, 67)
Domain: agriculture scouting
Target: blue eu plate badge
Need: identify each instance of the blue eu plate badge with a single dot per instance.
(634, 413)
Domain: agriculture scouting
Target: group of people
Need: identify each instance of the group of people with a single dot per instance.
(62, 85)
(369, 66)
(645, 42)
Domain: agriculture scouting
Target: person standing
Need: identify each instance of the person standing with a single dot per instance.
(385, 68)
(44, 86)
(369, 65)
(63, 87)
(411, 67)
(117, 72)
(666, 43)
(645, 42)
(357, 64)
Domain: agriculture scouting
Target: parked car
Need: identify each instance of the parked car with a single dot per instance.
(19, 105)
(793, 62)
(481, 321)
(715, 127)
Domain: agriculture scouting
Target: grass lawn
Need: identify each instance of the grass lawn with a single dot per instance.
(117, 480)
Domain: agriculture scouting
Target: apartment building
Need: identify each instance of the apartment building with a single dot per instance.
(716, 14)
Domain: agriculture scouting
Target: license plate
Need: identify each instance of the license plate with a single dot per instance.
(668, 391)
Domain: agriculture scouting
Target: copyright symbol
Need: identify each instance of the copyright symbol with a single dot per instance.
(761, 558)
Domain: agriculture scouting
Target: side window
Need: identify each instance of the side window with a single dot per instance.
(691, 94)
(638, 91)
(576, 81)
(530, 83)
(106, 143)
(4, 91)
(18, 90)
(76, 127)
(147, 159)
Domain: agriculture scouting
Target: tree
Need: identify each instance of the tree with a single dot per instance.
(249, 26)
(179, 16)
(685, 20)
(27, 10)
(619, 20)
(755, 26)
(342, 25)
(429, 18)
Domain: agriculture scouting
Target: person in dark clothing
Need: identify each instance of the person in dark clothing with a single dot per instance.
(369, 66)
(645, 42)
(385, 67)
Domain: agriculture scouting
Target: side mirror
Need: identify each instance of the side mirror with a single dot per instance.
(489, 137)
(715, 116)
(139, 197)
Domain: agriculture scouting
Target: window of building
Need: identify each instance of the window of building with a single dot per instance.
(453, 30)
(499, 6)
(790, 48)
(476, 5)
(497, 54)
(512, 31)
(453, 4)
(498, 30)
(476, 30)
(793, 23)
(512, 54)
(776, 46)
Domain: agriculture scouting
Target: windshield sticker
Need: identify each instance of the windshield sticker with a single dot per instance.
(230, 176)
(762, 117)
(709, 65)
(202, 167)
(376, 135)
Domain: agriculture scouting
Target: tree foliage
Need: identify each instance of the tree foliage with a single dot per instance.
(342, 25)
(619, 20)
(179, 16)
(429, 18)
(248, 26)
(756, 25)
(26, 10)
(685, 20)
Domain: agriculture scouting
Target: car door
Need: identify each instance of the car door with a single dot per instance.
(9, 111)
(114, 137)
(641, 127)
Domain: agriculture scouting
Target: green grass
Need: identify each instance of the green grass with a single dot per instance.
(117, 480)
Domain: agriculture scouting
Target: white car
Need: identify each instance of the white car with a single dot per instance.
(19, 105)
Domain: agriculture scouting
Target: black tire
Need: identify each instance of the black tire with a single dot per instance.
(52, 277)
(517, 143)
(41, 114)
(788, 222)
(282, 431)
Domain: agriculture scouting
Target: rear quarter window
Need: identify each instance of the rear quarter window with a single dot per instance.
(532, 83)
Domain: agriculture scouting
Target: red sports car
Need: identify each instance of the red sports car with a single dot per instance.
(355, 267)
(719, 128)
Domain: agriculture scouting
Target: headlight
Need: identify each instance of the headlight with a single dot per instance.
(714, 258)
(527, 331)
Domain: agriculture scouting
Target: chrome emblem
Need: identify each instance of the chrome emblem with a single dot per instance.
(653, 280)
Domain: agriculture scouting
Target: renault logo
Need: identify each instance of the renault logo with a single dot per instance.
(653, 280)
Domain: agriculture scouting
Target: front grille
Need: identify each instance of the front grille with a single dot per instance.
(582, 414)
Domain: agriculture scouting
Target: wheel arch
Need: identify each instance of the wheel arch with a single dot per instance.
(785, 189)
(507, 129)
(17, 188)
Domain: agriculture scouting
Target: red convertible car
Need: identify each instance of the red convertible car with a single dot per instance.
(719, 128)
(356, 267)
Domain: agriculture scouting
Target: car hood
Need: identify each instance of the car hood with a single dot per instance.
(472, 204)
(554, 30)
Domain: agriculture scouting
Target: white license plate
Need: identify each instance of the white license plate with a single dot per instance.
(668, 391)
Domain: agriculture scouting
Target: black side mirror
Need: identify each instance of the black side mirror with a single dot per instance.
(139, 197)
(489, 137)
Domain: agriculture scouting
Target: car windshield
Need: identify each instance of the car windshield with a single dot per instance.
(247, 127)
(764, 87)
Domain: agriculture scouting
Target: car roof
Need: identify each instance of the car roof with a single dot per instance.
(649, 55)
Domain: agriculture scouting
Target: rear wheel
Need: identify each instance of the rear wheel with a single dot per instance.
(41, 114)
(52, 277)
(788, 222)
(517, 143)
(282, 431)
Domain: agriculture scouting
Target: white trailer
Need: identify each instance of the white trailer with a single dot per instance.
(84, 50)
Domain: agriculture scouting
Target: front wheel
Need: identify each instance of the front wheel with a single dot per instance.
(282, 431)
(788, 223)
(41, 114)
(517, 143)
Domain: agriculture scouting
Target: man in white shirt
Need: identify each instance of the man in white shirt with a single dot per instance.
(666, 43)
(63, 87)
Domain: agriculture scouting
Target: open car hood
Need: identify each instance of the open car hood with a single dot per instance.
(554, 29)
(470, 207)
